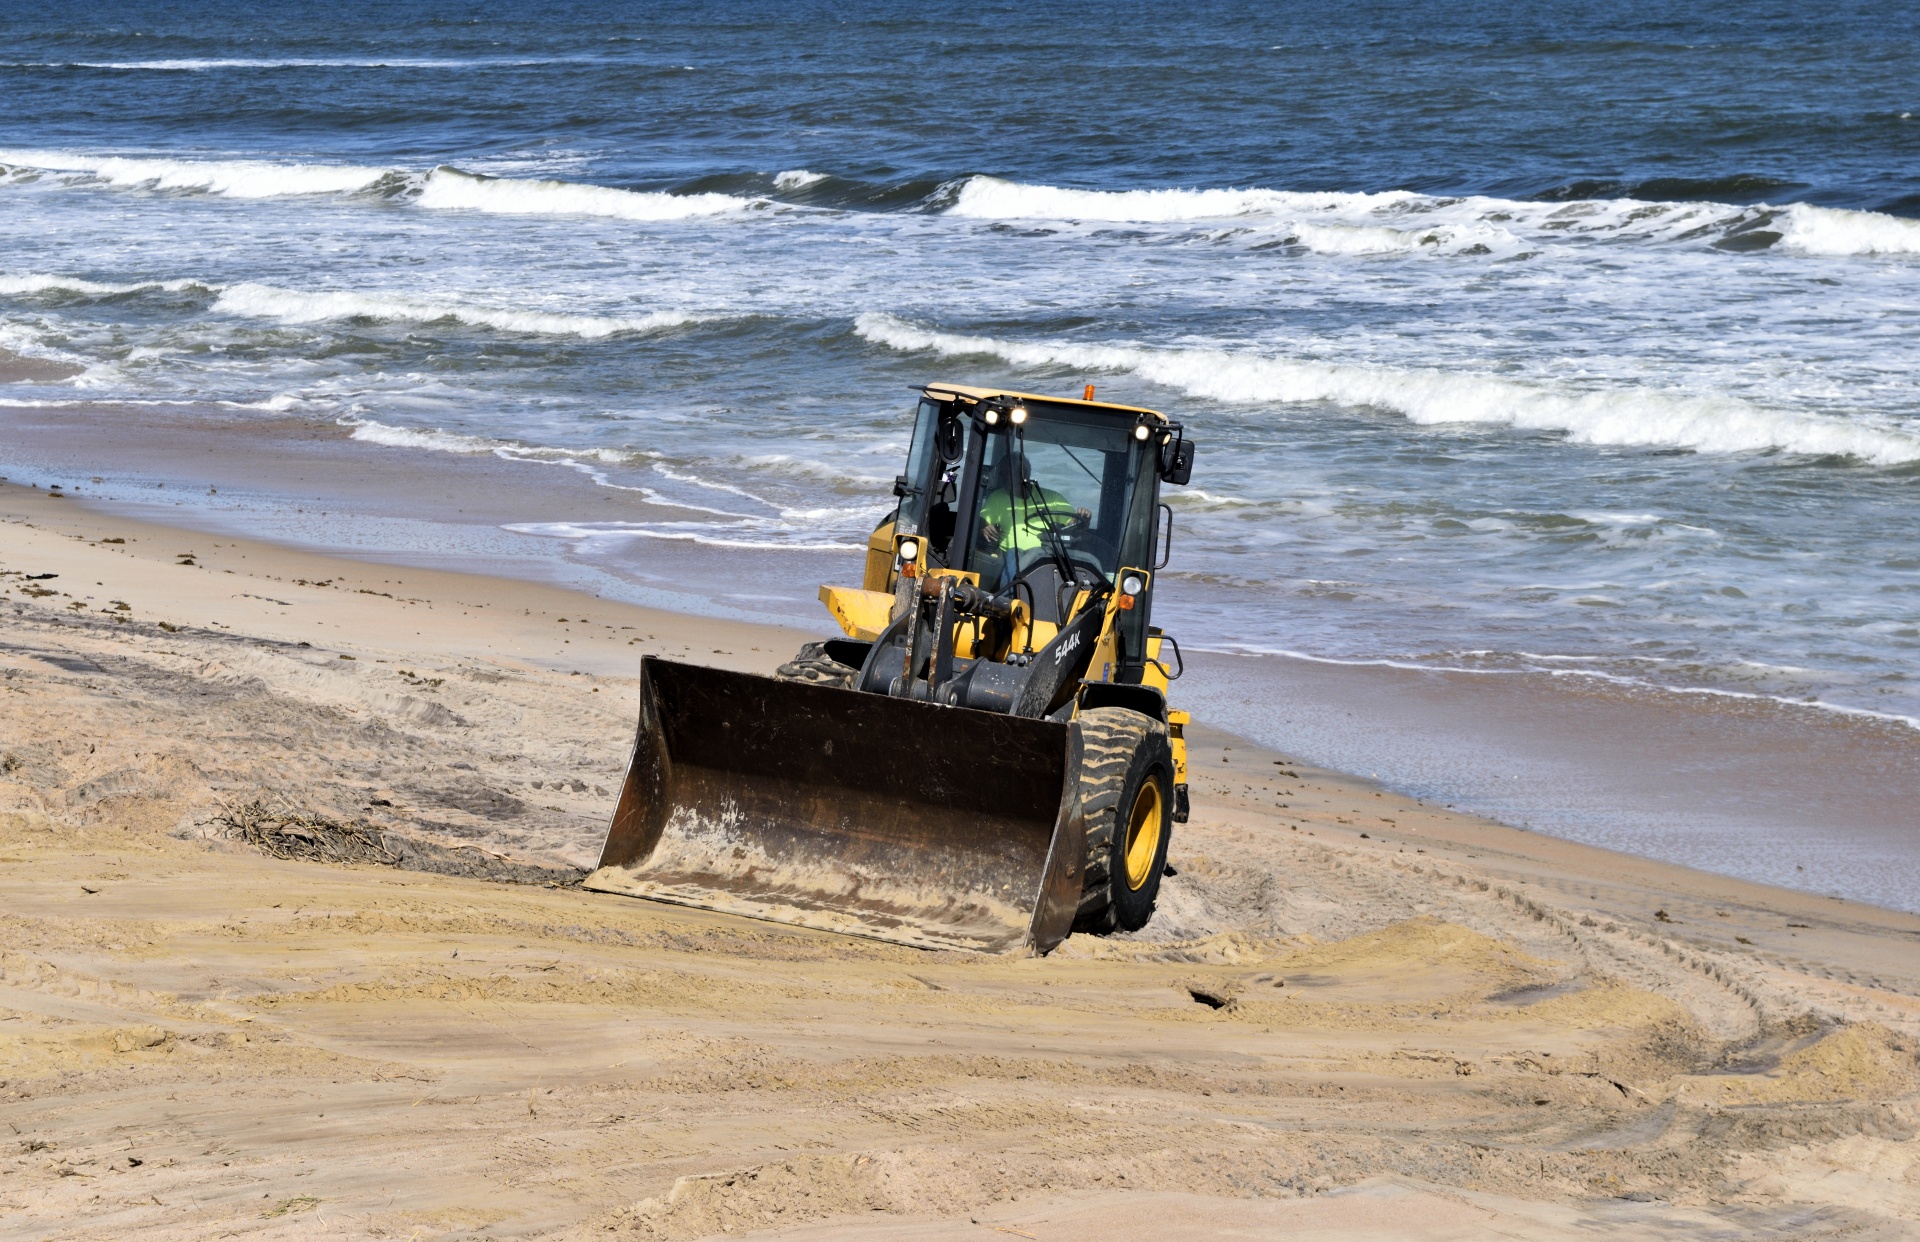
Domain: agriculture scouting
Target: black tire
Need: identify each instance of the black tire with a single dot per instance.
(1126, 775)
(813, 665)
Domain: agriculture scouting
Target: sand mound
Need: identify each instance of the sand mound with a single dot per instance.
(1864, 1061)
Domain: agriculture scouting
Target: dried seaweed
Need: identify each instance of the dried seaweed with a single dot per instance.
(288, 833)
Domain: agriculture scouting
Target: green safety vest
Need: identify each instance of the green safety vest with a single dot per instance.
(1034, 509)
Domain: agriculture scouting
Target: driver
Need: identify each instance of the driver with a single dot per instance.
(1015, 522)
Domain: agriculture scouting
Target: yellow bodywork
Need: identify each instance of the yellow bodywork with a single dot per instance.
(863, 613)
(974, 394)
(879, 574)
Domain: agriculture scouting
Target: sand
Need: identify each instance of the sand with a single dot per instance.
(1354, 1015)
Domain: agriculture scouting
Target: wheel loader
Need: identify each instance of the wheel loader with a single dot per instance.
(985, 758)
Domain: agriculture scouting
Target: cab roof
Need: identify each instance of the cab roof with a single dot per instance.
(975, 393)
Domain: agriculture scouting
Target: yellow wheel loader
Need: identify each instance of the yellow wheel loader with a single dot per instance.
(986, 759)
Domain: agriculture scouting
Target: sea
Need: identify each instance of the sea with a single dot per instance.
(1525, 344)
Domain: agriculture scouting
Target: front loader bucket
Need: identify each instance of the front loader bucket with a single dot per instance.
(941, 827)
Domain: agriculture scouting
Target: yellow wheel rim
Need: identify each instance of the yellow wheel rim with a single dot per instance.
(1143, 834)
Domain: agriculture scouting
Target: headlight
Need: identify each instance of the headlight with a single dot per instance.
(993, 417)
(909, 550)
(1131, 585)
(1018, 414)
(1141, 432)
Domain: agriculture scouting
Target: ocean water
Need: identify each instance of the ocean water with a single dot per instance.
(1579, 339)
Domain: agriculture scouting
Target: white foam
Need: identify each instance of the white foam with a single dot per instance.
(232, 178)
(296, 306)
(450, 189)
(371, 432)
(1364, 239)
(1836, 231)
(35, 282)
(444, 188)
(990, 198)
(1249, 650)
(797, 179)
(278, 403)
(676, 532)
(808, 468)
(1335, 223)
(1630, 416)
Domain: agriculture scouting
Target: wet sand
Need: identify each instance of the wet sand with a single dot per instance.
(1354, 1014)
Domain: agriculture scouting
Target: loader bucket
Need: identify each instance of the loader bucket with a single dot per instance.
(941, 827)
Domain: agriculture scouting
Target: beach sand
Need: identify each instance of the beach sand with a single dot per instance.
(1354, 1014)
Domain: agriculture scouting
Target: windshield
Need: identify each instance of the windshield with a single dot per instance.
(1058, 492)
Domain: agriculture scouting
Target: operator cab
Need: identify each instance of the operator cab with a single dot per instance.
(1042, 497)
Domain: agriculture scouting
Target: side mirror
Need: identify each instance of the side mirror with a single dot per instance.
(950, 439)
(1176, 461)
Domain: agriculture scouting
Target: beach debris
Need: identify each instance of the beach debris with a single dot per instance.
(288, 833)
(299, 1203)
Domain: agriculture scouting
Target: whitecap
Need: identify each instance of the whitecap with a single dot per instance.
(297, 306)
(1837, 231)
(31, 283)
(990, 198)
(450, 189)
(232, 178)
(1625, 416)
(370, 432)
(797, 179)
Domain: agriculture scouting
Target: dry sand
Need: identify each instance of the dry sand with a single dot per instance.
(1355, 1015)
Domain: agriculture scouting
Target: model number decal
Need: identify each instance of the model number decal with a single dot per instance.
(1069, 647)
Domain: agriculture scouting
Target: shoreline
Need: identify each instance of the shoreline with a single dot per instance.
(1775, 793)
(317, 596)
(1352, 1011)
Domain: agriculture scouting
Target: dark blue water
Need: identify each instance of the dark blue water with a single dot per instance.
(1536, 340)
(1730, 102)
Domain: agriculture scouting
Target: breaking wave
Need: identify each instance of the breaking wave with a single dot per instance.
(1401, 220)
(450, 189)
(294, 306)
(370, 432)
(35, 283)
(1325, 222)
(1837, 231)
(232, 178)
(441, 188)
(990, 198)
(1632, 416)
